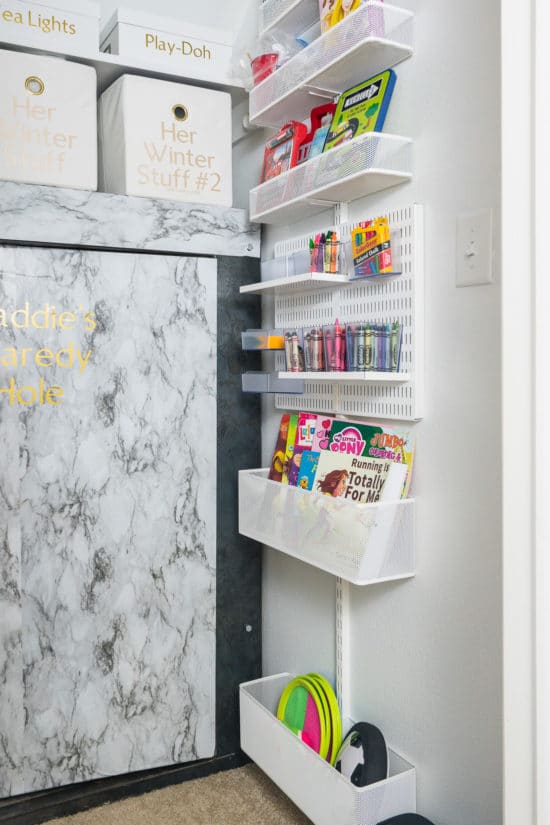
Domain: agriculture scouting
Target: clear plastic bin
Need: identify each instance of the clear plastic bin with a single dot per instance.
(285, 266)
(262, 339)
(270, 382)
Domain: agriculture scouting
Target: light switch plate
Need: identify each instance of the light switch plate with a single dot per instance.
(474, 248)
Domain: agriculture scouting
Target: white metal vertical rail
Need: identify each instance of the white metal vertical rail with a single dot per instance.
(343, 643)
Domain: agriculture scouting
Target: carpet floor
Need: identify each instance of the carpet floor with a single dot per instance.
(244, 796)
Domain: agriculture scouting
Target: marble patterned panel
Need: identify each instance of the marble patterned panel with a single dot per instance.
(116, 513)
(11, 653)
(69, 217)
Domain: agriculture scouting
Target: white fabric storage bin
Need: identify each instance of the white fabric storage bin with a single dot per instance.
(165, 140)
(70, 26)
(48, 121)
(193, 51)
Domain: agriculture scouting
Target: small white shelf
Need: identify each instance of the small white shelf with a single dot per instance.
(362, 166)
(361, 543)
(109, 67)
(348, 377)
(299, 283)
(375, 37)
(270, 382)
(290, 16)
(318, 789)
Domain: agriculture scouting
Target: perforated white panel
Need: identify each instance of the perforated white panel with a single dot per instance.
(381, 299)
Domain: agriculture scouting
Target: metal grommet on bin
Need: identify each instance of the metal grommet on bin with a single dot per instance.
(180, 111)
(34, 85)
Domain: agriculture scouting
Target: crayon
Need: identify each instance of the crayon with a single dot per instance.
(339, 347)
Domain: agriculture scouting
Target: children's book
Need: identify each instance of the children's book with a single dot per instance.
(370, 440)
(303, 443)
(361, 109)
(291, 438)
(278, 460)
(361, 480)
(333, 12)
(308, 469)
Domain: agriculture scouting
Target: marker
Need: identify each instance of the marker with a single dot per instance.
(317, 346)
(308, 352)
(288, 351)
(327, 252)
(329, 335)
(340, 347)
(395, 346)
(369, 352)
(359, 348)
(387, 348)
(375, 347)
(296, 354)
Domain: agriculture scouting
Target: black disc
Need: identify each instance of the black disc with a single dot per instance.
(363, 755)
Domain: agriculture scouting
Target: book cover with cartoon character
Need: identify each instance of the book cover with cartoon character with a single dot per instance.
(289, 452)
(278, 460)
(371, 440)
(303, 443)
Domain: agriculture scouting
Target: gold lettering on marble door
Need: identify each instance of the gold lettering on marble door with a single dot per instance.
(70, 356)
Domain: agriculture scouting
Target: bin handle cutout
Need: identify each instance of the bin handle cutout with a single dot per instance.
(180, 111)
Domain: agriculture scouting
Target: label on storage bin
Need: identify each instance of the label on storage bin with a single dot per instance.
(47, 121)
(186, 53)
(50, 27)
(176, 141)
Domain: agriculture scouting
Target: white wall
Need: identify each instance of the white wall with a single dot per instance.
(427, 652)
(223, 14)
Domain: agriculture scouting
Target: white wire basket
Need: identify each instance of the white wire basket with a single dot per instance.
(362, 166)
(318, 789)
(362, 543)
(375, 37)
(290, 16)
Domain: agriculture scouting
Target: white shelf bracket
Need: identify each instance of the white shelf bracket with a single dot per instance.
(343, 641)
(315, 91)
(341, 212)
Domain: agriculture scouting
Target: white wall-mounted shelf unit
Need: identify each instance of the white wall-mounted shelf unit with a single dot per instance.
(398, 396)
(375, 542)
(318, 789)
(290, 16)
(375, 37)
(367, 164)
